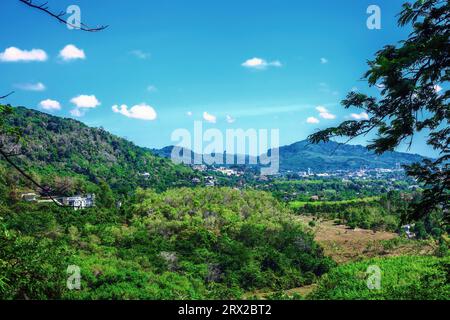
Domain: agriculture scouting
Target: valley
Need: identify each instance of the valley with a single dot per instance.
(158, 230)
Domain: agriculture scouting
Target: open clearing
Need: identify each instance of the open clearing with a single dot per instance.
(344, 245)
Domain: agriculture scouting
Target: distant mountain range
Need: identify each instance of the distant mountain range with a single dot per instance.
(54, 146)
(337, 156)
(329, 156)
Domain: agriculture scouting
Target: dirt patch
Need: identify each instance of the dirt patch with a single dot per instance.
(344, 244)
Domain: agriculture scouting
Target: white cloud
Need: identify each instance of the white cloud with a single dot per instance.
(189, 113)
(360, 116)
(50, 105)
(71, 52)
(141, 111)
(85, 101)
(324, 113)
(312, 120)
(327, 115)
(321, 109)
(31, 86)
(152, 88)
(77, 112)
(276, 63)
(230, 119)
(209, 117)
(140, 54)
(323, 60)
(13, 54)
(437, 88)
(260, 64)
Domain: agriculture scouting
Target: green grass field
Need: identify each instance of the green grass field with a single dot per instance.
(400, 278)
(301, 204)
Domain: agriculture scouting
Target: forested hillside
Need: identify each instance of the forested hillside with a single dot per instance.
(330, 156)
(181, 244)
(56, 147)
(163, 241)
(335, 156)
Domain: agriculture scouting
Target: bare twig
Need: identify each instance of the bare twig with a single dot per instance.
(5, 96)
(45, 190)
(60, 16)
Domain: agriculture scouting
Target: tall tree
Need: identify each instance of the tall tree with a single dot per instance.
(413, 77)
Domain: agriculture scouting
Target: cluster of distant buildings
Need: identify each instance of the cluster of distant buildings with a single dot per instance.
(362, 173)
(75, 202)
(223, 170)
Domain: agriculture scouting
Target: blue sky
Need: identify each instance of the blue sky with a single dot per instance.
(181, 59)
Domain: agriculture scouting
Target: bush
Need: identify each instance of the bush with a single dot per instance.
(402, 278)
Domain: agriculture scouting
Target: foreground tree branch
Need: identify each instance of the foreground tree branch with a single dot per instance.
(45, 191)
(60, 16)
(6, 130)
(413, 79)
(7, 95)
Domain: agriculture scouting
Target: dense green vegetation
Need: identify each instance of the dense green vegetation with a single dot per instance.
(331, 156)
(382, 212)
(332, 189)
(151, 237)
(402, 278)
(327, 204)
(167, 241)
(376, 213)
(181, 244)
(409, 73)
(54, 147)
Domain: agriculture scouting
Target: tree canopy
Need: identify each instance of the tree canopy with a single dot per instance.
(413, 78)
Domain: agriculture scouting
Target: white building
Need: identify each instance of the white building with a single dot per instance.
(79, 202)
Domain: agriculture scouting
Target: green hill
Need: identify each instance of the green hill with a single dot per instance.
(329, 156)
(52, 147)
(337, 156)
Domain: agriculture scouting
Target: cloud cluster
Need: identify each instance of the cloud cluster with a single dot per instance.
(360, 116)
(140, 54)
(209, 117)
(13, 54)
(50, 105)
(260, 64)
(312, 120)
(141, 111)
(39, 86)
(83, 102)
(71, 52)
(230, 119)
(325, 114)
